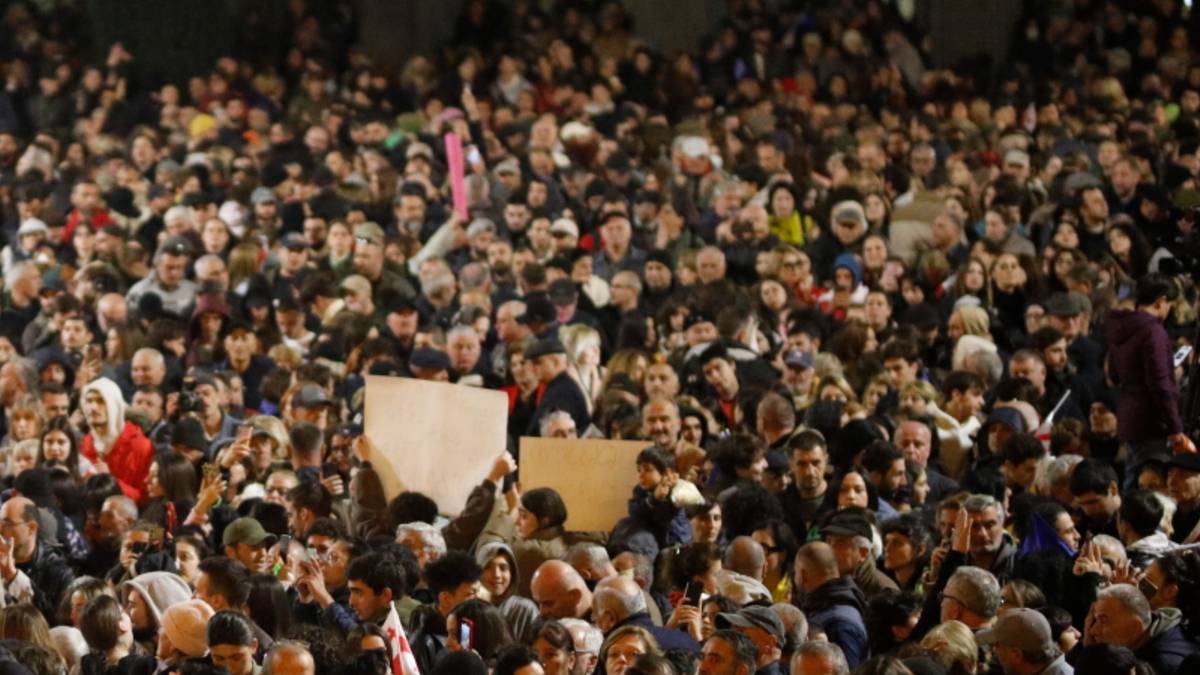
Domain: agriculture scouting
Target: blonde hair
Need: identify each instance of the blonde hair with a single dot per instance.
(952, 645)
(576, 338)
(922, 389)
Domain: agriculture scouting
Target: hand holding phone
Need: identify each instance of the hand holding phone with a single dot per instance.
(465, 626)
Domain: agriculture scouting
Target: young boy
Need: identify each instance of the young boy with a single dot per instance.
(651, 507)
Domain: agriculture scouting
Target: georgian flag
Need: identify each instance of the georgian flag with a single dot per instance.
(403, 661)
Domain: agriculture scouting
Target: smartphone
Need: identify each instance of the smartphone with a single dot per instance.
(211, 470)
(285, 544)
(465, 626)
(245, 432)
(691, 594)
(1181, 355)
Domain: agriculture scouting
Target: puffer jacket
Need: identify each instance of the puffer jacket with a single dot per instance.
(1139, 359)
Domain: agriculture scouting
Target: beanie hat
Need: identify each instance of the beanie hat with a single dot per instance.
(848, 261)
(186, 626)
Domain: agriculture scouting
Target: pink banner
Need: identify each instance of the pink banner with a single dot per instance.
(458, 185)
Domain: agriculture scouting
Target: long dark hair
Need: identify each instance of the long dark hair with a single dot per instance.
(269, 605)
(489, 633)
(61, 424)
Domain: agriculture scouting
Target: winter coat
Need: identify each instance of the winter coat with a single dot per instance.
(1164, 646)
(1140, 361)
(837, 607)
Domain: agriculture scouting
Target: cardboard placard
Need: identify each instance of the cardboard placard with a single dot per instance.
(595, 477)
(432, 437)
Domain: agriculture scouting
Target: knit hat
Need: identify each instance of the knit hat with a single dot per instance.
(848, 261)
(159, 590)
(186, 626)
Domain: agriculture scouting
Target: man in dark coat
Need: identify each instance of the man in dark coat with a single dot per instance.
(832, 601)
(30, 569)
(1140, 361)
(559, 391)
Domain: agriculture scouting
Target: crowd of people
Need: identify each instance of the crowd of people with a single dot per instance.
(908, 346)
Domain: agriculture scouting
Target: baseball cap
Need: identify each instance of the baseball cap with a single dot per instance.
(848, 524)
(246, 531)
(799, 359)
(753, 617)
(418, 149)
(564, 226)
(176, 246)
(369, 231)
(357, 284)
(544, 347)
(33, 226)
(428, 357)
(849, 210)
(510, 165)
(294, 240)
(263, 195)
(1023, 628)
(310, 396)
(1016, 156)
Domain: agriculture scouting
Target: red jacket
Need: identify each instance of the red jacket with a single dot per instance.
(128, 461)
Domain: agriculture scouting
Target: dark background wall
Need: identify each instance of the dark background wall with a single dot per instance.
(174, 37)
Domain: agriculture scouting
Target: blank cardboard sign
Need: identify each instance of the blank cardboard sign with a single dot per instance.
(595, 477)
(436, 438)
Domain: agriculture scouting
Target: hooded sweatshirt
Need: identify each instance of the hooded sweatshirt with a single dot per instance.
(520, 613)
(120, 444)
(159, 590)
(1140, 361)
(837, 606)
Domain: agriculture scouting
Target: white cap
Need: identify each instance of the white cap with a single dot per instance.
(33, 226)
(565, 226)
(694, 147)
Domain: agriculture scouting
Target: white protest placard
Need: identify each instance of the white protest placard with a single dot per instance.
(595, 477)
(436, 438)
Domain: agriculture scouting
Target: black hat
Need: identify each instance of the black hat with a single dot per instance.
(1188, 461)
(176, 246)
(661, 257)
(696, 317)
(848, 523)
(399, 304)
(428, 357)
(777, 462)
(236, 324)
(544, 347)
(618, 161)
(538, 309)
(563, 292)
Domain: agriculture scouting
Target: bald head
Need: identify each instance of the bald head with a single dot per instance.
(559, 591)
(111, 309)
(21, 514)
(815, 564)
(746, 556)
(289, 658)
(617, 598)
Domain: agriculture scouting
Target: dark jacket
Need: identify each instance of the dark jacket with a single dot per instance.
(561, 393)
(1165, 646)
(94, 664)
(659, 517)
(1140, 362)
(49, 575)
(837, 606)
(668, 638)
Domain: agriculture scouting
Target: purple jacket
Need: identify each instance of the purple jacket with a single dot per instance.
(1141, 363)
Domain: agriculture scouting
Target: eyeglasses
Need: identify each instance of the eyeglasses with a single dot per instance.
(943, 596)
